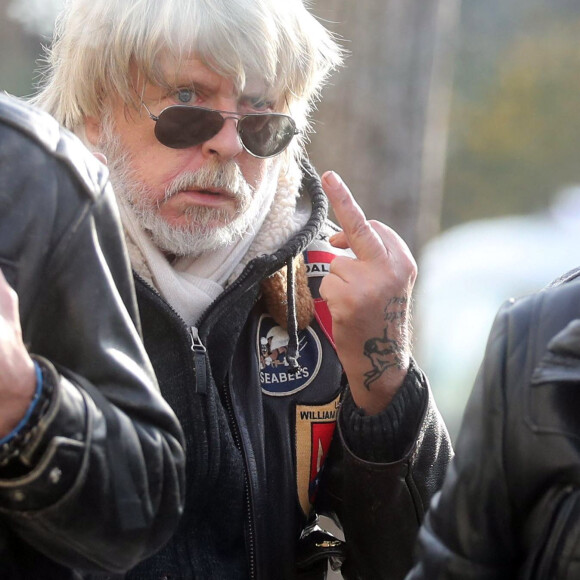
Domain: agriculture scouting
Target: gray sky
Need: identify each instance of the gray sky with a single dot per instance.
(36, 15)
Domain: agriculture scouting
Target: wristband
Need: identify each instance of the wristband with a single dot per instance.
(12, 445)
(30, 409)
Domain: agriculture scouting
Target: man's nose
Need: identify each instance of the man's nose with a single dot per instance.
(226, 142)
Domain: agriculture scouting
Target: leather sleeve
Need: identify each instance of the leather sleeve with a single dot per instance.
(467, 532)
(105, 483)
(380, 502)
(510, 504)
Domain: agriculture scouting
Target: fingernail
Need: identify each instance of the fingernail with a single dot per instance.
(332, 179)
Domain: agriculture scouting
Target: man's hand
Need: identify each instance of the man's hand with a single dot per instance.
(369, 299)
(17, 375)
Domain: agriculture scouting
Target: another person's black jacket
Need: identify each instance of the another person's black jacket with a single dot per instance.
(99, 483)
(510, 505)
(261, 442)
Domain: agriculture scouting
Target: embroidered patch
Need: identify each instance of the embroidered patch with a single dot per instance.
(318, 263)
(315, 426)
(276, 377)
(324, 318)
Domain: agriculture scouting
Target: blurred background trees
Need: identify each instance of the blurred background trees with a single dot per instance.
(515, 120)
(383, 123)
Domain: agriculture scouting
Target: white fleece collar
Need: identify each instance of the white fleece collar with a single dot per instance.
(190, 285)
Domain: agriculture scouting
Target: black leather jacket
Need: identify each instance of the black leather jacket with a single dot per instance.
(510, 505)
(261, 440)
(99, 486)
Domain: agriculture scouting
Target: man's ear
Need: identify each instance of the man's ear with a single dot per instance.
(92, 130)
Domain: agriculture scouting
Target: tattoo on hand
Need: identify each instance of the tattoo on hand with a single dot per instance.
(385, 352)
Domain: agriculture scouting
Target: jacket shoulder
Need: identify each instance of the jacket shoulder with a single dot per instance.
(560, 300)
(570, 276)
(540, 323)
(58, 143)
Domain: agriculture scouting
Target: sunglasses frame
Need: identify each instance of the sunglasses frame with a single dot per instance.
(238, 117)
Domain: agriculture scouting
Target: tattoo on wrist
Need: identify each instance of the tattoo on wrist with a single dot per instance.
(386, 352)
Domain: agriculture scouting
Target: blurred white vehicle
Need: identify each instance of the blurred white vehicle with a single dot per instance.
(464, 276)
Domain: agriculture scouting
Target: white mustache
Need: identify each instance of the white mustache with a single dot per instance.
(225, 177)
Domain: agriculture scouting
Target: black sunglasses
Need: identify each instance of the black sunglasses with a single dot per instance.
(261, 134)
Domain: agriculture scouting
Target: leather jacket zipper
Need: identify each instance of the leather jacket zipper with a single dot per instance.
(199, 352)
(197, 347)
(248, 498)
(199, 359)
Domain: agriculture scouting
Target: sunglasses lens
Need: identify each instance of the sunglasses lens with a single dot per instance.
(266, 135)
(180, 127)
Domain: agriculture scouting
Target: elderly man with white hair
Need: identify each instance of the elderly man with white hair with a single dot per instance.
(202, 110)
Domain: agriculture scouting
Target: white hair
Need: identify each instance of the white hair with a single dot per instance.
(96, 42)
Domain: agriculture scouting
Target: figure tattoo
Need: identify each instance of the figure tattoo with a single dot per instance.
(386, 352)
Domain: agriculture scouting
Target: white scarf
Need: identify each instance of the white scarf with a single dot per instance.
(189, 284)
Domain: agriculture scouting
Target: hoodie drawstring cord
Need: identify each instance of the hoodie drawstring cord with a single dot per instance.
(292, 354)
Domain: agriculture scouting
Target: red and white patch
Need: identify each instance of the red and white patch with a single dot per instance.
(315, 426)
(318, 263)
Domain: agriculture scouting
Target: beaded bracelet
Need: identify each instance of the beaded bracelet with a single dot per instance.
(12, 445)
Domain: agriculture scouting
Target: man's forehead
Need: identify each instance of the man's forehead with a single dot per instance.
(193, 71)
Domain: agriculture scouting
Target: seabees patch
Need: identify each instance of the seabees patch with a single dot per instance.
(276, 376)
(315, 426)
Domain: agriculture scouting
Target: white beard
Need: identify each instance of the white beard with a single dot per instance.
(206, 229)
